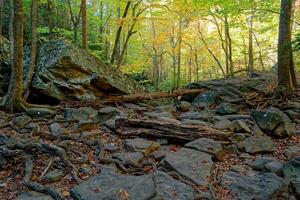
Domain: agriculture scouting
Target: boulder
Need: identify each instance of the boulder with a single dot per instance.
(184, 106)
(205, 99)
(239, 126)
(32, 195)
(258, 186)
(274, 122)
(227, 109)
(291, 172)
(257, 144)
(139, 144)
(192, 165)
(111, 186)
(67, 72)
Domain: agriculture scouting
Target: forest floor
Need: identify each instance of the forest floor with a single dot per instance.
(247, 148)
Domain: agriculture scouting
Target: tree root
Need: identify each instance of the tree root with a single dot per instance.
(44, 189)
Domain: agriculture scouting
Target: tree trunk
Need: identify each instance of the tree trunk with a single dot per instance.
(13, 98)
(34, 21)
(250, 51)
(118, 36)
(11, 32)
(1, 15)
(285, 54)
(50, 17)
(229, 43)
(84, 29)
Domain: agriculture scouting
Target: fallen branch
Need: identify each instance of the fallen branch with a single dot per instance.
(159, 129)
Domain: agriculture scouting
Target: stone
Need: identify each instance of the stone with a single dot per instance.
(291, 172)
(85, 125)
(3, 139)
(227, 109)
(159, 154)
(257, 144)
(85, 169)
(257, 131)
(3, 162)
(239, 126)
(168, 188)
(169, 120)
(184, 106)
(139, 144)
(134, 157)
(292, 152)
(195, 122)
(54, 176)
(193, 115)
(111, 147)
(135, 107)
(56, 130)
(192, 165)
(115, 187)
(85, 77)
(274, 167)
(107, 169)
(238, 137)
(111, 186)
(32, 195)
(158, 114)
(107, 113)
(205, 99)
(274, 122)
(258, 187)
(222, 124)
(81, 114)
(111, 123)
(207, 145)
(41, 112)
(260, 162)
(22, 121)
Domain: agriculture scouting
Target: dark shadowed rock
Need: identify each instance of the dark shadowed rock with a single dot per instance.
(22, 121)
(158, 114)
(227, 109)
(207, 145)
(134, 157)
(111, 186)
(274, 122)
(257, 144)
(67, 72)
(139, 144)
(56, 129)
(205, 99)
(274, 167)
(41, 112)
(291, 172)
(239, 126)
(54, 175)
(32, 195)
(192, 165)
(258, 187)
(292, 152)
(184, 106)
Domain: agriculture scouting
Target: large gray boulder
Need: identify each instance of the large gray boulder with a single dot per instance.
(65, 71)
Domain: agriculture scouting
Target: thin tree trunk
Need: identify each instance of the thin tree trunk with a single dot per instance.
(34, 21)
(11, 32)
(285, 55)
(13, 98)
(118, 35)
(250, 51)
(179, 55)
(229, 43)
(260, 52)
(84, 28)
(1, 15)
(50, 17)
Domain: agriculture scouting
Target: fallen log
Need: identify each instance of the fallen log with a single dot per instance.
(157, 129)
(133, 98)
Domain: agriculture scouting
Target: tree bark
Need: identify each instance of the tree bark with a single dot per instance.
(11, 32)
(84, 28)
(34, 21)
(285, 54)
(50, 17)
(229, 43)
(250, 50)
(1, 15)
(13, 99)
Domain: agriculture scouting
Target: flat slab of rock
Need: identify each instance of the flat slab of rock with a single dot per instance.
(139, 144)
(291, 172)
(258, 144)
(192, 165)
(258, 187)
(32, 195)
(208, 146)
(155, 186)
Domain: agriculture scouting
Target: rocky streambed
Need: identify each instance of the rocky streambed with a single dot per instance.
(231, 142)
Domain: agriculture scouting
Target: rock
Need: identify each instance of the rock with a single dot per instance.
(21, 121)
(222, 124)
(54, 176)
(195, 122)
(292, 152)
(166, 108)
(81, 114)
(258, 187)
(227, 109)
(56, 130)
(41, 112)
(239, 126)
(194, 116)
(115, 187)
(81, 75)
(135, 107)
(238, 137)
(85, 125)
(257, 131)
(274, 122)
(184, 106)
(241, 169)
(206, 145)
(85, 169)
(111, 147)
(205, 99)
(139, 144)
(32, 195)
(158, 114)
(159, 154)
(3, 162)
(257, 144)
(274, 167)
(107, 113)
(292, 114)
(168, 119)
(134, 157)
(168, 188)
(260, 162)
(155, 186)
(107, 169)
(111, 123)
(3, 139)
(291, 172)
(192, 165)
